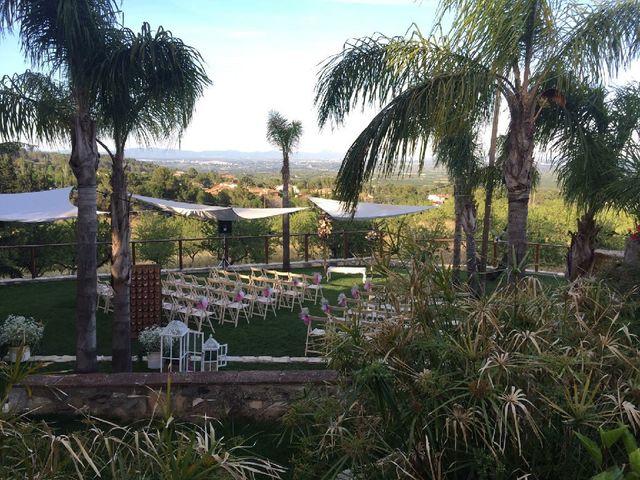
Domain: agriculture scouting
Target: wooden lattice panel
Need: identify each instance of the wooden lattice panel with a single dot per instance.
(146, 297)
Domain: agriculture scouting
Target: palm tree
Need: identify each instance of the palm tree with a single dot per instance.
(67, 37)
(459, 154)
(430, 87)
(151, 82)
(591, 139)
(285, 135)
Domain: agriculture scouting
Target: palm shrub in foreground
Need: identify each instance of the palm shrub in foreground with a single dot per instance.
(474, 388)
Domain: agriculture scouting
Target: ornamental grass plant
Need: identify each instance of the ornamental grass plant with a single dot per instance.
(162, 448)
(473, 387)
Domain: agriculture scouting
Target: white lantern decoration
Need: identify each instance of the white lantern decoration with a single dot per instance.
(180, 348)
(214, 355)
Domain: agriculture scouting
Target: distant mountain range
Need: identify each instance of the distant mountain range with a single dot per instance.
(234, 155)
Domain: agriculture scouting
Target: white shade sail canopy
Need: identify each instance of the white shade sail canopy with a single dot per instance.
(365, 211)
(35, 207)
(210, 211)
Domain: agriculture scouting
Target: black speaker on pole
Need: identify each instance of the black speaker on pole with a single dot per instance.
(225, 227)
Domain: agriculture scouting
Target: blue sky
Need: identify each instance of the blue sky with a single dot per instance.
(262, 55)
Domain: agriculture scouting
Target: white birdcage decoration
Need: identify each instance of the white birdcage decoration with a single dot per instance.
(214, 355)
(180, 348)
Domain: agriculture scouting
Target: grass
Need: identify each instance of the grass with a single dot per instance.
(53, 304)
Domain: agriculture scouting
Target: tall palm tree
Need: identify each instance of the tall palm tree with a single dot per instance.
(67, 37)
(151, 81)
(591, 139)
(430, 87)
(285, 135)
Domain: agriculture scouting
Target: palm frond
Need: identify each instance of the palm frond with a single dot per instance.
(500, 33)
(402, 130)
(283, 133)
(34, 107)
(589, 139)
(148, 83)
(598, 39)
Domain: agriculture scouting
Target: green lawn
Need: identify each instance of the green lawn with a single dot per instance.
(53, 304)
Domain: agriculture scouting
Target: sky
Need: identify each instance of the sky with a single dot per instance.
(262, 55)
(265, 55)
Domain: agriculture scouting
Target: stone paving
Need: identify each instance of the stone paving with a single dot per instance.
(230, 358)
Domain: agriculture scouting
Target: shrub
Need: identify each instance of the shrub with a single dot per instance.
(156, 227)
(472, 387)
(18, 331)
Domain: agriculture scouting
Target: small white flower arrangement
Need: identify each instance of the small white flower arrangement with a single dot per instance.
(149, 338)
(19, 331)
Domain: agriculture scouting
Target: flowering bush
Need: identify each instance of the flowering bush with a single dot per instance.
(149, 338)
(372, 235)
(18, 331)
(325, 227)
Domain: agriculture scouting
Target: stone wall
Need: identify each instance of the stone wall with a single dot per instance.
(259, 395)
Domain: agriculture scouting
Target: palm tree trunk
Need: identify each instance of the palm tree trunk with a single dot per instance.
(488, 197)
(468, 222)
(84, 162)
(120, 266)
(581, 255)
(457, 234)
(286, 261)
(517, 176)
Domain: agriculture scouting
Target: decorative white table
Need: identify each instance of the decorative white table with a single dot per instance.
(348, 271)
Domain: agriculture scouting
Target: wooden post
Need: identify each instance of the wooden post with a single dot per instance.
(266, 249)
(225, 247)
(345, 245)
(33, 262)
(495, 253)
(133, 253)
(180, 254)
(306, 247)
(537, 257)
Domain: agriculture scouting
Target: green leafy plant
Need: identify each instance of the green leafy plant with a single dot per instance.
(603, 454)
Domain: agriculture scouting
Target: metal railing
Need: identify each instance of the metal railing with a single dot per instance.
(305, 246)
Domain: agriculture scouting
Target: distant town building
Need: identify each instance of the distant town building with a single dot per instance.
(292, 188)
(437, 199)
(215, 189)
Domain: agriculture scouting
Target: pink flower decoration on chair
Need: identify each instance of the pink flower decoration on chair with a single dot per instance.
(355, 293)
(296, 282)
(317, 278)
(266, 292)
(304, 316)
(368, 285)
(342, 300)
(324, 306)
(203, 303)
(239, 296)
